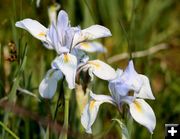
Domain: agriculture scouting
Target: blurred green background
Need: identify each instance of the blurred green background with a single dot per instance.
(141, 24)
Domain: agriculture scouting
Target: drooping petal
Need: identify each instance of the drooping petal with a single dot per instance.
(48, 85)
(33, 27)
(89, 115)
(91, 33)
(67, 63)
(91, 47)
(145, 91)
(91, 109)
(102, 70)
(102, 98)
(143, 114)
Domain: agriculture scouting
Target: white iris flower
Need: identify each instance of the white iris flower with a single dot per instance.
(126, 81)
(63, 39)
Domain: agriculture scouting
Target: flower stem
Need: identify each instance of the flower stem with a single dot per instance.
(66, 114)
(59, 98)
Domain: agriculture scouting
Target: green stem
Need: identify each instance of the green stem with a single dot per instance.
(66, 114)
(59, 98)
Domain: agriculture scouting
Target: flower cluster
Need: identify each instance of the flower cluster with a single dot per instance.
(120, 88)
(70, 44)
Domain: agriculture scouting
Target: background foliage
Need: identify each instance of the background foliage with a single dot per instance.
(142, 24)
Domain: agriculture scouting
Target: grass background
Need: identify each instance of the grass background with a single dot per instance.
(148, 23)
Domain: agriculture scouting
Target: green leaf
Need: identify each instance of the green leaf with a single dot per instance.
(125, 133)
(9, 131)
(47, 133)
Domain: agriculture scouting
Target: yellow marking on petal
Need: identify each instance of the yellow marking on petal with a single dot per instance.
(85, 45)
(52, 8)
(91, 105)
(42, 34)
(95, 64)
(66, 58)
(137, 106)
(88, 36)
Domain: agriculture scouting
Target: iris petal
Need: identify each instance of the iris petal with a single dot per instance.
(48, 85)
(91, 110)
(102, 70)
(145, 91)
(91, 33)
(67, 63)
(35, 29)
(91, 47)
(143, 114)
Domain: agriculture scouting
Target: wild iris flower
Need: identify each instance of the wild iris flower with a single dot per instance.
(64, 39)
(120, 89)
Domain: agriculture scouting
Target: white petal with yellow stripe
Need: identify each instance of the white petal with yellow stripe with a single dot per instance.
(91, 47)
(48, 85)
(101, 70)
(34, 27)
(67, 63)
(91, 109)
(91, 33)
(143, 114)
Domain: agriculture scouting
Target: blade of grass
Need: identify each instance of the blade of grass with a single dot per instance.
(9, 131)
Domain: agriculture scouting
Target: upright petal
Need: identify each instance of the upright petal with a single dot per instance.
(62, 25)
(143, 114)
(48, 85)
(145, 91)
(33, 27)
(53, 38)
(129, 80)
(91, 109)
(65, 32)
(67, 63)
(101, 69)
(91, 33)
(63, 20)
(91, 47)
